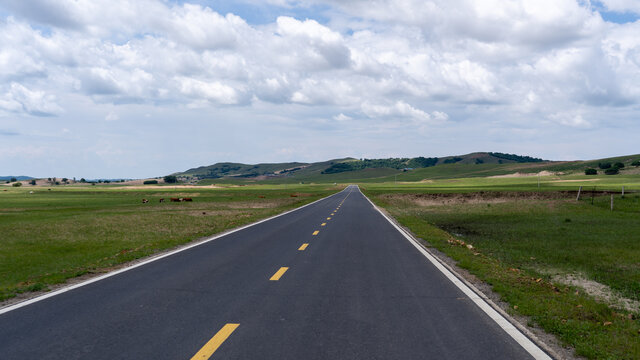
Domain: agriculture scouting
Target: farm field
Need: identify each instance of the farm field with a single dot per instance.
(50, 236)
(571, 267)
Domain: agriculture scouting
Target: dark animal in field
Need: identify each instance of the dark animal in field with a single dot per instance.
(161, 200)
(174, 200)
(187, 199)
(144, 201)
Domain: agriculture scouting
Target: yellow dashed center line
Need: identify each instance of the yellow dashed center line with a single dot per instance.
(332, 214)
(279, 274)
(316, 232)
(304, 246)
(323, 224)
(328, 218)
(212, 345)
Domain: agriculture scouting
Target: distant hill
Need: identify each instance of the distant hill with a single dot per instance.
(19, 178)
(343, 169)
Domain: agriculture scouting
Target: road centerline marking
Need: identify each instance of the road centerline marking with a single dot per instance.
(279, 274)
(328, 218)
(304, 246)
(316, 232)
(212, 345)
(323, 224)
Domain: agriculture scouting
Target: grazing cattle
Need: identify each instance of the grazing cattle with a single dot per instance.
(187, 199)
(175, 200)
(144, 201)
(161, 200)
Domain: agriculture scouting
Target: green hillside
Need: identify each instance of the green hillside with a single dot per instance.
(479, 164)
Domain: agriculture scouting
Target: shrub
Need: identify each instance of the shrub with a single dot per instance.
(13, 179)
(591, 172)
(170, 179)
(82, 180)
(150, 182)
(604, 165)
(618, 165)
(32, 182)
(17, 184)
(612, 171)
(636, 163)
(479, 161)
(452, 160)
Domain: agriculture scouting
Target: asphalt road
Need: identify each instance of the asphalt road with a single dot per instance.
(358, 290)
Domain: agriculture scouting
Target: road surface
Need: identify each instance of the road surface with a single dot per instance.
(332, 280)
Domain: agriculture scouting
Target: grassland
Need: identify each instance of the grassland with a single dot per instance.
(49, 236)
(540, 249)
(572, 267)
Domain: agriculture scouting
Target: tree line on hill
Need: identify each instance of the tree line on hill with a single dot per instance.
(609, 168)
(417, 162)
(393, 163)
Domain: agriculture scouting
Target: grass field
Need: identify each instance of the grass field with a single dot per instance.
(572, 267)
(53, 235)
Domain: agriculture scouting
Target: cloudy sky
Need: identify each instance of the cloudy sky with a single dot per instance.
(116, 88)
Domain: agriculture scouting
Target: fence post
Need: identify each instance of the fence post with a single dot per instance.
(579, 191)
(623, 191)
(611, 202)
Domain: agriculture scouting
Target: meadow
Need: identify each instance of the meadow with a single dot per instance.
(50, 236)
(571, 267)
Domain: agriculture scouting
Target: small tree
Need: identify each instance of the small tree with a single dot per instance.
(619, 165)
(612, 171)
(65, 180)
(636, 163)
(170, 179)
(32, 182)
(17, 184)
(13, 179)
(605, 165)
(82, 180)
(591, 172)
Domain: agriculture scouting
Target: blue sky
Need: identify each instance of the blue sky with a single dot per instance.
(106, 89)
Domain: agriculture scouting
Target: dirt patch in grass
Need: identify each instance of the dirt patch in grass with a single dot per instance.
(601, 292)
(519, 174)
(482, 197)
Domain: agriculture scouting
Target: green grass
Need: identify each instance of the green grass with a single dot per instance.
(521, 239)
(51, 236)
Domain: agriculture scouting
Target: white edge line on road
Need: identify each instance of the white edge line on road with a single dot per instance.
(505, 324)
(9, 308)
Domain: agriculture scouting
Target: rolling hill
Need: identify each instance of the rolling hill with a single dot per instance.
(478, 164)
